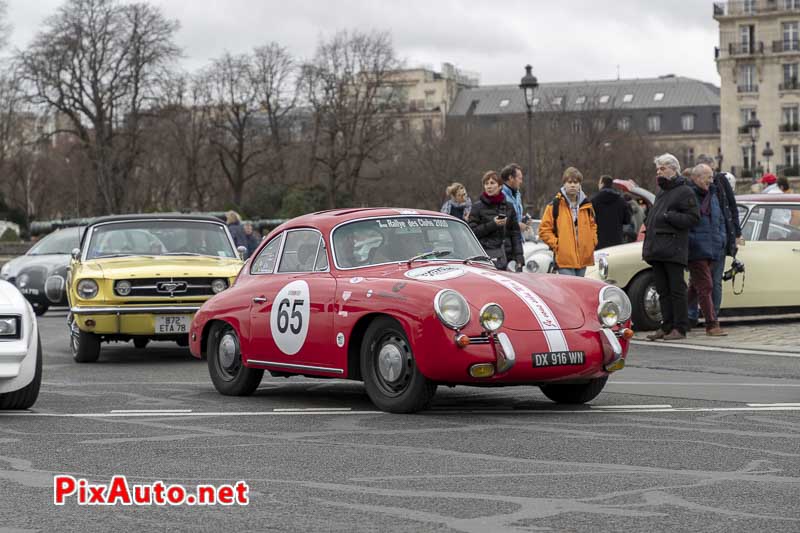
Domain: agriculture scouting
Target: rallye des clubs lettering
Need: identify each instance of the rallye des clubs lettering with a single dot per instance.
(288, 321)
(119, 492)
(421, 319)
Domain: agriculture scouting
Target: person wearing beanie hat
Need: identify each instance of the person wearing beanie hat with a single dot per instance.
(770, 182)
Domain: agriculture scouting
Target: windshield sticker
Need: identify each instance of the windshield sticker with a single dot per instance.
(436, 273)
(403, 223)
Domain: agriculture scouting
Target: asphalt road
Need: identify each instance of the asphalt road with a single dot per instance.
(678, 441)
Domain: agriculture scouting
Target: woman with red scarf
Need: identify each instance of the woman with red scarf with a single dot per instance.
(494, 222)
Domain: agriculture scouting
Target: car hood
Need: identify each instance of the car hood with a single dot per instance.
(531, 302)
(162, 266)
(45, 261)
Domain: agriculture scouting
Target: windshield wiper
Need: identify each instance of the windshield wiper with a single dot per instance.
(435, 254)
(469, 260)
(188, 253)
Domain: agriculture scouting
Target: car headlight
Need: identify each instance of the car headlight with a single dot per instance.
(218, 285)
(492, 317)
(451, 308)
(615, 294)
(9, 326)
(22, 280)
(123, 287)
(602, 266)
(608, 313)
(87, 288)
(532, 266)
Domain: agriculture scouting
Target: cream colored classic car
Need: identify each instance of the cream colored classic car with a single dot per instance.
(771, 258)
(142, 277)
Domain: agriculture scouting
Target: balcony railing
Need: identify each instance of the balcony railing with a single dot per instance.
(753, 7)
(788, 170)
(785, 46)
(790, 85)
(746, 49)
(743, 130)
(789, 128)
(747, 88)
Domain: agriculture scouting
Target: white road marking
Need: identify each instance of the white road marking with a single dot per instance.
(543, 411)
(715, 348)
(664, 406)
(703, 384)
(315, 409)
(146, 411)
(773, 404)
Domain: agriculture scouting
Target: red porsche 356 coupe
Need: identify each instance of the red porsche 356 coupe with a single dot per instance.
(404, 300)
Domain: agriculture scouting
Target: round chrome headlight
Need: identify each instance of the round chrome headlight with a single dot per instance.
(87, 288)
(218, 285)
(451, 308)
(23, 280)
(532, 266)
(492, 317)
(123, 287)
(615, 294)
(608, 313)
(602, 266)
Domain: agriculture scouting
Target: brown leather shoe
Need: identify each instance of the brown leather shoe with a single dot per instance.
(656, 336)
(674, 335)
(715, 331)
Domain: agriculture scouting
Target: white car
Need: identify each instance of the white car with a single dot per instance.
(20, 350)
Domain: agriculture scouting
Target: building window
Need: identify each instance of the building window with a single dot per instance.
(580, 100)
(790, 155)
(688, 160)
(687, 122)
(654, 123)
(790, 36)
(604, 99)
(628, 98)
(749, 7)
(747, 77)
(658, 97)
(746, 38)
(624, 123)
(791, 4)
(716, 121)
(790, 117)
(747, 160)
(577, 126)
(790, 75)
(746, 114)
(504, 102)
(557, 100)
(599, 124)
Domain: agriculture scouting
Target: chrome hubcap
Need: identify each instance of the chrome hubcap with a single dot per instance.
(390, 363)
(228, 351)
(651, 304)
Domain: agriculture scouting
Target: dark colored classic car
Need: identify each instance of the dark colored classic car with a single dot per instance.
(40, 273)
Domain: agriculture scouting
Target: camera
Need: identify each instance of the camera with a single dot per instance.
(737, 267)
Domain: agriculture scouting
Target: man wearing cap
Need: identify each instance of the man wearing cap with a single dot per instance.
(770, 182)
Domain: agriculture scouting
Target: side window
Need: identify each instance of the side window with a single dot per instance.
(751, 230)
(322, 257)
(299, 251)
(265, 262)
(784, 224)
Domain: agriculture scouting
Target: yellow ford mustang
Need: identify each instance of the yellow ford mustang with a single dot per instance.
(142, 277)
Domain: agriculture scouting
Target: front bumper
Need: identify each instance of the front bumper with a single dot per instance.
(127, 320)
(18, 361)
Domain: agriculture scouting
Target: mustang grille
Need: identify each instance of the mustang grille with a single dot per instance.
(149, 287)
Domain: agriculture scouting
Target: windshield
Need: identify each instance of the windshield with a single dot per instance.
(159, 237)
(62, 241)
(392, 239)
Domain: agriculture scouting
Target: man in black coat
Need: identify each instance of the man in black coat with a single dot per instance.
(611, 213)
(666, 246)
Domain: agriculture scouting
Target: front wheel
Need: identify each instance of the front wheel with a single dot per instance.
(85, 346)
(391, 377)
(228, 373)
(574, 393)
(26, 396)
(646, 313)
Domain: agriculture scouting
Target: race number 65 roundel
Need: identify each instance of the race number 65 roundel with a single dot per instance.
(289, 318)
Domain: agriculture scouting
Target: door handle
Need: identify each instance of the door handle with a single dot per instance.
(259, 299)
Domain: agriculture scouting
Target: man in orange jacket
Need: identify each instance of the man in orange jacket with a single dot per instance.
(571, 232)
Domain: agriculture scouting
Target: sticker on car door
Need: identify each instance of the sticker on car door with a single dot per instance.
(289, 317)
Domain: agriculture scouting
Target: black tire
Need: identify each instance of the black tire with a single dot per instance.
(25, 397)
(574, 393)
(409, 391)
(40, 308)
(645, 314)
(85, 346)
(229, 375)
(140, 343)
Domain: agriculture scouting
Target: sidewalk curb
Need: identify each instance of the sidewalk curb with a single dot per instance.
(779, 351)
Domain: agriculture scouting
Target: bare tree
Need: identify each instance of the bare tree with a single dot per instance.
(97, 62)
(348, 88)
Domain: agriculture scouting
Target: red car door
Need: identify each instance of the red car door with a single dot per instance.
(291, 320)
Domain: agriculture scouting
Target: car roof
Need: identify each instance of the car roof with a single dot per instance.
(327, 220)
(155, 216)
(768, 198)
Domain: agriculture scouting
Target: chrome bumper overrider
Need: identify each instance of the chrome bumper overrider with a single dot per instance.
(506, 357)
(164, 309)
(617, 362)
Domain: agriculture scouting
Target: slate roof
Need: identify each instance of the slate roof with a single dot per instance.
(678, 92)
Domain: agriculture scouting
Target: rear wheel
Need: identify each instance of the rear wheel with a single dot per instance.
(574, 393)
(85, 346)
(646, 313)
(228, 373)
(140, 342)
(26, 396)
(391, 377)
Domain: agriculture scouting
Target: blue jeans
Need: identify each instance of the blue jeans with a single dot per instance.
(717, 268)
(572, 271)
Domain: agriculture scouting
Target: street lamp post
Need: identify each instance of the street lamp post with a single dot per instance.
(528, 84)
(767, 153)
(753, 125)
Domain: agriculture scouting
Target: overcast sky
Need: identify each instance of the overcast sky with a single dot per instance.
(564, 40)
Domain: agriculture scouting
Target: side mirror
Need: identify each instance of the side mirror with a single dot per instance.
(242, 251)
(76, 254)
